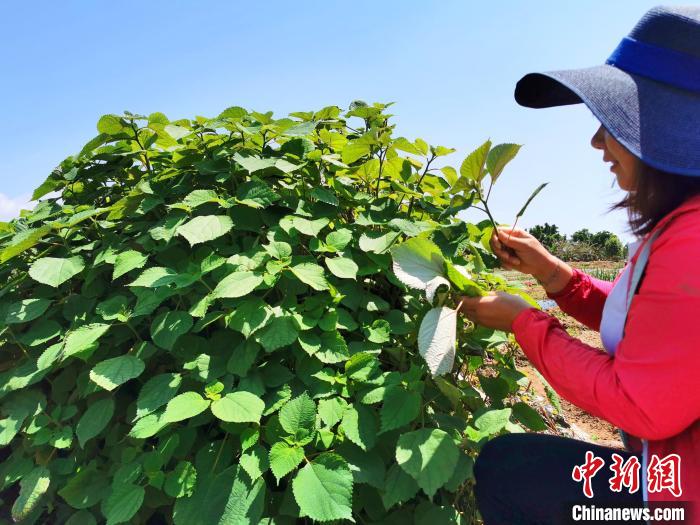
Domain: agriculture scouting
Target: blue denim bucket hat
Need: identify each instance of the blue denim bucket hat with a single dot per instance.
(647, 94)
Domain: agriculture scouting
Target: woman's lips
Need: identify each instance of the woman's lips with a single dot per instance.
(613, 165)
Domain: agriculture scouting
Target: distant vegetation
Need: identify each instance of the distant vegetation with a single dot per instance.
(583, 244)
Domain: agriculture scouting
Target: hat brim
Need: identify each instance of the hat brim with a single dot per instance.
(656, 122)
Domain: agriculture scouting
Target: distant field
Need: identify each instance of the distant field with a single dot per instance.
(601, 269)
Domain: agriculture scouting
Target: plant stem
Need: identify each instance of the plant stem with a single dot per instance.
(138, 141)
(511, 230)
(382, 156)
(218, 454)
(417, 187)
(21, 346)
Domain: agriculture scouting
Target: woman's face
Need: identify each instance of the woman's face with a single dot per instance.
(625, 165)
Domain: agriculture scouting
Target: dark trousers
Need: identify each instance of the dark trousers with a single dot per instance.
(526, 479)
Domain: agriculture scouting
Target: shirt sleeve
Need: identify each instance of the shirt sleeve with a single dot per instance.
(649, 389)
(583, 298)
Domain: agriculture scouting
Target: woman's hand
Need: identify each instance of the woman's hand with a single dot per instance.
(521, 251)
(496, 310)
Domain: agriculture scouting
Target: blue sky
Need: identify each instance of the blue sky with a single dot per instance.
(449, 66)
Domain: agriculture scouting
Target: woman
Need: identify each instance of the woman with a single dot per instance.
(647, 99)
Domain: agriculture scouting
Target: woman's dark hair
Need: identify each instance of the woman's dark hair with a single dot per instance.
(657, 194)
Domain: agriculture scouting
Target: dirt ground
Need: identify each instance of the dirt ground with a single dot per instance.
(576, 422)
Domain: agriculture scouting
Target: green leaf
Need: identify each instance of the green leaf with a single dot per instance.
(198, 197)
(342, 267)
(298, 417)
(111, 125)
(400, 408)
(127, 261)
(311, 274)
(205, 228)
(529, 417)
(472, 169)
(339, 239)
(181, 482)
(284, 458)
(83, 338)
(114, 308)
(323, 488)
(54, 272)
(85, 488)
(94, 420)
(252, 164)
(184, 406)
(306, 226)
(239, 407)
(377, 243)
(61, 438)
(257, 193)
(255, 462)
(324, 195)
(399, 487)
(157, 391)
(41, 332)
(360, 426)
(32, 487)
(237, 284)
(111, 373)
(366, 467)
(148, 426)
(437, 339)
(529, 200)
(249, 316)
(227, 498)
(499, 156)
(354, 150)
(280, 332)
(429, 456)
(333, 349)
(167, 328)
(417, 262)
(493, 421)
(26, 310)
(23, 242)
(123, 503)
(378, 332)
(331, 410)
(159, 276)
(246, 501)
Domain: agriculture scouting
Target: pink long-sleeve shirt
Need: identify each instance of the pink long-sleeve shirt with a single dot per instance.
(650, 388)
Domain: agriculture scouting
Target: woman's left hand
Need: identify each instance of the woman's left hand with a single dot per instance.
(496, 310)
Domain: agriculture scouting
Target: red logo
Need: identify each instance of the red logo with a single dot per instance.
(625, 474)
(662, 473)
(586, 472)
(665, 474)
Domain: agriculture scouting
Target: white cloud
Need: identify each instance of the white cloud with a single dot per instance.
(10, 206)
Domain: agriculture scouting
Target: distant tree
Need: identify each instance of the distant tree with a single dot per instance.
(612, 248)
(587, 246)
(583, 235)
(547, 234)
(600, 238)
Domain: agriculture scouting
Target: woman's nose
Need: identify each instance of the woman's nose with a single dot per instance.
(598, 141)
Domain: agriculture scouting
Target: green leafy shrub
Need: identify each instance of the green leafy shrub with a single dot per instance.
(201, 325)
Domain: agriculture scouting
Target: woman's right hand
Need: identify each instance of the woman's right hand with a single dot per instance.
(525, 254)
